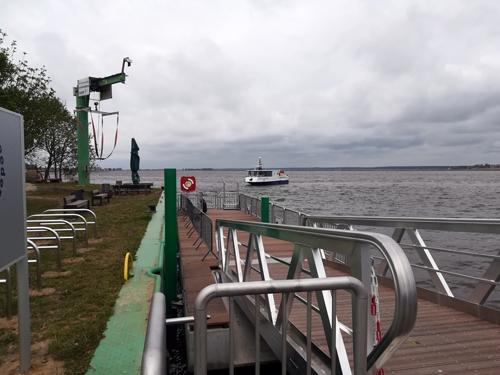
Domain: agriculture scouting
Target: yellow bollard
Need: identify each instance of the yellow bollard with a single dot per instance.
(128, 259)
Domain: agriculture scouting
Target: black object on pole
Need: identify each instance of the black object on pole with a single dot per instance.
(134, 162)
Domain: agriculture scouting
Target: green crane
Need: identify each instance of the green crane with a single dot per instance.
(82, 93)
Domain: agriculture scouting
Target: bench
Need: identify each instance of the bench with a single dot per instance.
(71, 202)
(98, 196)
(131, 188)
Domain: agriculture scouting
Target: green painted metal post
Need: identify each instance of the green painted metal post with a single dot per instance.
(102, 85)
(83, 142)
(170, 229)
(264, 210)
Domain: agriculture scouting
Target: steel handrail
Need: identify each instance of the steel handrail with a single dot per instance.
(443, 224)
(405, 313)
(82, 210)
(154, 356)
(280, 286)
(484, 285)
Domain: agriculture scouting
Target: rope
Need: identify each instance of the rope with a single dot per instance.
(76, 118)
(377, 335)
(102, 135)
(116, 139)
(94, 133)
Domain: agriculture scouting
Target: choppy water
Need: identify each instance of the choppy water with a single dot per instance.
(377, 193)
(458, 194)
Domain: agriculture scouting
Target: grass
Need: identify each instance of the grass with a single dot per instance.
(73, 317)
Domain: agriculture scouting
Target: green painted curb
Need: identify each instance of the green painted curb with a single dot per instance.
(120, 352)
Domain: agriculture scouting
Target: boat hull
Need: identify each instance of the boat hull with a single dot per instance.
(267, 183)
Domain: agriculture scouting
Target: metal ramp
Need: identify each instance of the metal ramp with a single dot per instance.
(298, 354)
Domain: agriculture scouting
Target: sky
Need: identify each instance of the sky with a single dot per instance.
(334, 83)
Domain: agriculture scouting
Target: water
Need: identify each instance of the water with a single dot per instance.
(373, 193)
(452, 194)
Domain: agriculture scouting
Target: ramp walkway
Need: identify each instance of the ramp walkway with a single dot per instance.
(443, 341)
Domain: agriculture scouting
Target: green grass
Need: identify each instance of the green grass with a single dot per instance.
(73, 318)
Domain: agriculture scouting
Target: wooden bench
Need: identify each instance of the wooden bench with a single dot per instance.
(71, 202)
(98, 196)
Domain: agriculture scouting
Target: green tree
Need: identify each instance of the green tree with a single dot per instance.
(25, 90)
(57, 146)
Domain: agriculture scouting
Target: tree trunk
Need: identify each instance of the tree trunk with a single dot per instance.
(47, 169)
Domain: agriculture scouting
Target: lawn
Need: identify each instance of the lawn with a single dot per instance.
(69, 314)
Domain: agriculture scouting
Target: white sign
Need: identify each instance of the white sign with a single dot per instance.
(12, 189)
(84, 87)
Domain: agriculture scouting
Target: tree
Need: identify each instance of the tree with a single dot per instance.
(57, 146)
(49, 128)
(25, 90)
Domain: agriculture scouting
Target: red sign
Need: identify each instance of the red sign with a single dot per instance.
(188, 183)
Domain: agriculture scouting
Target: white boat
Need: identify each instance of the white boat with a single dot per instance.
(261, 176)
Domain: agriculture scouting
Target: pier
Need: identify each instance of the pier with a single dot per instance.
(443, 340)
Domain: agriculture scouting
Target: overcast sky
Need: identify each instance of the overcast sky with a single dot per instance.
(300, 83)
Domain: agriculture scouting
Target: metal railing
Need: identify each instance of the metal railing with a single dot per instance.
(310, 243)
(38, 217)
(277, 214)
(202, 224)
(81, 211)
(154, 356)
(37, 261)
(285, 287)
(55, 224)
(250, 205)
(56, 237)
(8, 292)
(412, 227)
(228, 200)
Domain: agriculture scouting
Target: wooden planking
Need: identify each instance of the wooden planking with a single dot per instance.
(197, 274)
(443, 341)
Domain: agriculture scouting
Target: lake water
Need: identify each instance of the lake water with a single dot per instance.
(452, 194)
(377, 193)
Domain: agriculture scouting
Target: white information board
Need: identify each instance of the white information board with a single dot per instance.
(12, 189)
(84, 87)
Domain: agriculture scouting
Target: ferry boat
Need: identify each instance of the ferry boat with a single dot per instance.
(261, 176)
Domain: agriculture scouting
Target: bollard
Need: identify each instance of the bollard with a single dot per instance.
(264, 210)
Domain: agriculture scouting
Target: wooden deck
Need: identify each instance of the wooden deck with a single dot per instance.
(443, 341)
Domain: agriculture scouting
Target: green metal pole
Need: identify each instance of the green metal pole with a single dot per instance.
(264, 210)
(170, 229)
(83, 143)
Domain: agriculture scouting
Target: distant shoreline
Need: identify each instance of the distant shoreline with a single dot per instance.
(382, 169)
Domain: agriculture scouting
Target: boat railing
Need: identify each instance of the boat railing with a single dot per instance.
(434, 257)
(311, 243)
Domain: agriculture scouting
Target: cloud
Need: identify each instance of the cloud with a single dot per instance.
(319, 83)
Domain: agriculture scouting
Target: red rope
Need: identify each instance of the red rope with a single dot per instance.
(116, 139)
(76, 118)
(95, 138)
(102, 134)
